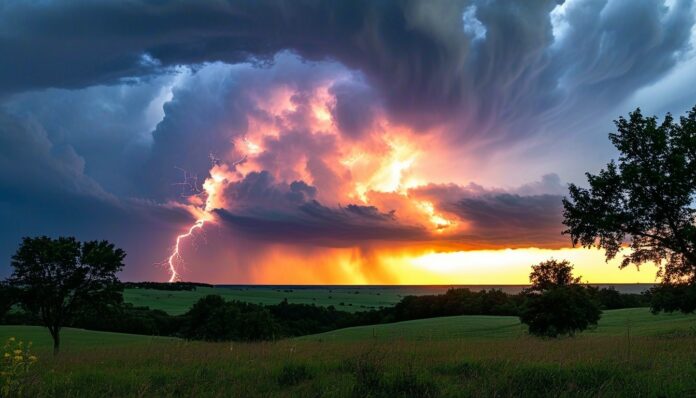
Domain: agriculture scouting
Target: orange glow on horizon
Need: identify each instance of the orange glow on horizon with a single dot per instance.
(287, 264)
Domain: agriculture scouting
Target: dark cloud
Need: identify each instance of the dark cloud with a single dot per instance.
(354, 109)
(278, 212)
(323, 226)
(44, 191)
(506, 220)
(110, 127)
(419, 55)
(105, 105)
(274, 211)
(259, 190)
(31, 165)
(530, 215)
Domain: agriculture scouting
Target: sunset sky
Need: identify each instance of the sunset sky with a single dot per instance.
(327, 142)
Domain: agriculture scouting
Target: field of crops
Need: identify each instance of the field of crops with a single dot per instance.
(631, 353)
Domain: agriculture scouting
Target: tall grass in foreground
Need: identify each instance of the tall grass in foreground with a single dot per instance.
(659, 365)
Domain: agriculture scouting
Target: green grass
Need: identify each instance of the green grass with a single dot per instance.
(633, 321)
(441, 357)
(344, 298)
(75, 339)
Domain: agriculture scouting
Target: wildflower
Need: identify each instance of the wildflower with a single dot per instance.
(14, 369)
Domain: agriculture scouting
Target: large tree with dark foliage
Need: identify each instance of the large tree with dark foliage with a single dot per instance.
(556, 303)
(671, 298)
(56, 278)
(646, 200)
(551, 274)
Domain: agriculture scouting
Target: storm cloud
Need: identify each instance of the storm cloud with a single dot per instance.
(419, 55)
(330, 124)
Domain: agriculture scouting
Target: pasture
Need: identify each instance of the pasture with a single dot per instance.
(344, 297)
(631, 353)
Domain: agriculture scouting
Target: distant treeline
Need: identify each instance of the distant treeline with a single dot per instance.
(215, 319)
(164, 285)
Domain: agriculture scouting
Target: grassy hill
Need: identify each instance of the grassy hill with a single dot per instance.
(633, 321)
(75, 339)
(632, 353)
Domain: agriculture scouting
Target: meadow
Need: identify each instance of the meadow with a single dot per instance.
(631, 353)
(345, 297)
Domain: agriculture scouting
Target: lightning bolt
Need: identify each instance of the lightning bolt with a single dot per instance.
(220, 175)
(176, 254)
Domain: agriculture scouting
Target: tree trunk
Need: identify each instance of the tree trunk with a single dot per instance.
(55, 334)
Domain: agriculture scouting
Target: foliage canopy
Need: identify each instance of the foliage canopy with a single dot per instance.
(646, 200)
(56, 278)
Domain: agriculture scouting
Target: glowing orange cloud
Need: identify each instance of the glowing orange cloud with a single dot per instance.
(297, 139)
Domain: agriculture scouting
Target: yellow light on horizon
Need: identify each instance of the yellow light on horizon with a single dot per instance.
(511, 266)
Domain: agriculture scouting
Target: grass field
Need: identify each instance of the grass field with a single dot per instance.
(632, 353)
(347, 298)
(633, 321)
(76, 339)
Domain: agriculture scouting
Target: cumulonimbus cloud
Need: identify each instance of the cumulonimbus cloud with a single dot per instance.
(339, 124)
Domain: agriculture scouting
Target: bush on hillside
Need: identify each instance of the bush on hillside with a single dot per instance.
(556, 303)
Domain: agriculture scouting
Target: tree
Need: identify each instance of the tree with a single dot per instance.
(646, 200)
(211, 318)
(8, 298)
(671, 298)
(214, 319)
(56, 278)
(552, 273)
(556, 303)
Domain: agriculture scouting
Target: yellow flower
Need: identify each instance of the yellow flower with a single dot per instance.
(12, 339)
(18, 352)
(18, 358)
(33, 358)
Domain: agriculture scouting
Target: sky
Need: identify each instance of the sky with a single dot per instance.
(326, 142)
